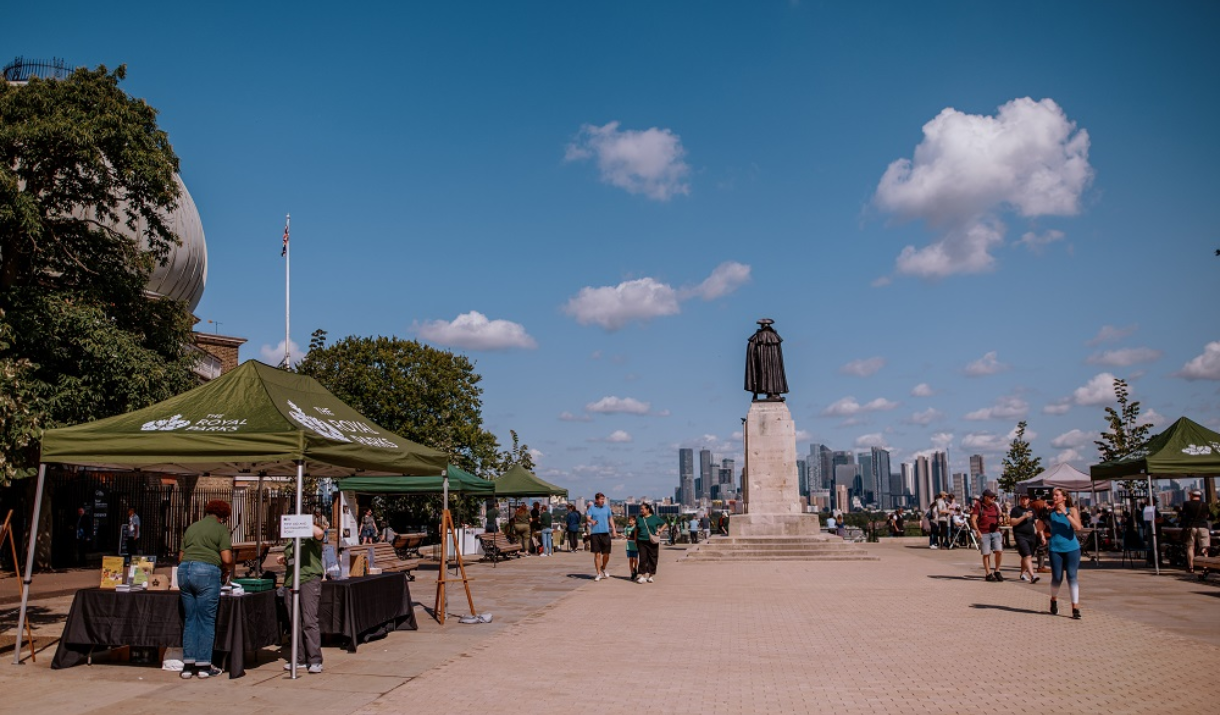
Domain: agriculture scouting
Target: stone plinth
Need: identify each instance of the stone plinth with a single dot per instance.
(773, 504)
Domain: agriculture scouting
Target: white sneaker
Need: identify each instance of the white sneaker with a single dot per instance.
(315, 668)
(300, 666)
(933, 546)
(641, 580)
(650, 578)
(598, 577)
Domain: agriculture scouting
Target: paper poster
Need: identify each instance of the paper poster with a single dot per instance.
(112, 571)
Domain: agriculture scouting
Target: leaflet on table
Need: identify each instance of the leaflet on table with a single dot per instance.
(112, 571)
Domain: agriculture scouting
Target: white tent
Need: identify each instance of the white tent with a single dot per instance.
(1064, 476)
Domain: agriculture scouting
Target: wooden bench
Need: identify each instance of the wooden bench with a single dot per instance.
(1208, 564)
(247, 554)
(407, 545)
(385, 557)
(497, 546)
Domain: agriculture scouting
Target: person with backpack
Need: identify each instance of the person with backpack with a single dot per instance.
(573, 520)
(985, 521)
(942, 520)
(929, 525)
(897, 526)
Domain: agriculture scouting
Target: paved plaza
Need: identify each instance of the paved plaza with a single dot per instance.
(917, 631)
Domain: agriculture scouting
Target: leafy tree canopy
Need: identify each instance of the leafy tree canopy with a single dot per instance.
(1019, 464)
(426, 395)
(83, 168)
(1126, 434)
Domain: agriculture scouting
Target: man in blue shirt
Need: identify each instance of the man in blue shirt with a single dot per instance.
(601, 530)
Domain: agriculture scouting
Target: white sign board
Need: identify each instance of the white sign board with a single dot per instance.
(296, 526)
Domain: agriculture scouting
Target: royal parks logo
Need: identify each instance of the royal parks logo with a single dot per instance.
(1200, 450)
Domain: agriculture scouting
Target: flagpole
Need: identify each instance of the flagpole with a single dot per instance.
(287, 294)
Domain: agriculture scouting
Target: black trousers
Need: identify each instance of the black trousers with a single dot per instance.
(648, 556)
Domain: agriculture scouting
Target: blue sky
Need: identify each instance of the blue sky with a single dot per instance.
(959, 214)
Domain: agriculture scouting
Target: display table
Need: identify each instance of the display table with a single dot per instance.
(358, 610)
(104, 618)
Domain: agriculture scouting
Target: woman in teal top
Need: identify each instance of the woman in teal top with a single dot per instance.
(1064, 549)
(647, 525)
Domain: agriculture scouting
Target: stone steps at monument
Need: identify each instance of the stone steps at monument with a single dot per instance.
(780, 548)
(777, 555)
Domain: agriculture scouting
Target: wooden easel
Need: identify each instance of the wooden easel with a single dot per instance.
(449, 534)
(6, 534)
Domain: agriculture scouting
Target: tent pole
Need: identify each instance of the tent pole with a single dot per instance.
(296, 575)
(258, 515)
(1156, 554)
(29, 561)
(1096, 539)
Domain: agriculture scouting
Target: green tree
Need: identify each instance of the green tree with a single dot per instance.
(83, 168)
(1126, 434)
(426, 395)
(1019, 463)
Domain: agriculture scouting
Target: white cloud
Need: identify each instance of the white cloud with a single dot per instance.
(923, 389)
(473, 331)
(619, 405)
(863, 368)
(875, 439)
(986, 365)
(848, 407)
(1006, 407)
(648, 162)
(989, 442)
(926, 417)
(569, 417)
(612, 307)
(1029, 159)
(726, 278)
(1068, 455)
(1124, 357)
(1037, 241)
(618, 436)
(1154, 418)
(1203, 367)
(275, 355)
(1109, 334)
(942, 440)
(881, 282)
(1097, 391)
(1059, 407)
(1073, 438)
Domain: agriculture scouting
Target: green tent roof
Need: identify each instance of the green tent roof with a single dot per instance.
(253, 419)
(519, 482)
(460, 482)
(1186, 449)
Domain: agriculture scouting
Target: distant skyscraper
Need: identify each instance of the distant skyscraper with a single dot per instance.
(941, 480)
(961, 487)
(842, 500)
(818, 463)
(705, 471)
(865, 460)
(727, 467)
(880, 461)
(686, 476)
(925, 491)
(978, 474)
(802, 477)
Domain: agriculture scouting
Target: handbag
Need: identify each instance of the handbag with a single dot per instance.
(652, 535)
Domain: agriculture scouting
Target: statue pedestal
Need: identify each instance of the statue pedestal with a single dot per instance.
(773, 503)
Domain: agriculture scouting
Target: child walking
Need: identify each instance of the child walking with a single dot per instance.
(633, 552)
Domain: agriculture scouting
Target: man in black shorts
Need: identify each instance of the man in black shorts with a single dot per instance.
(1022, 521)
(601, 531)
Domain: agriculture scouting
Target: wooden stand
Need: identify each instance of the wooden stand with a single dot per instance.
(448, 534)
(6, 534)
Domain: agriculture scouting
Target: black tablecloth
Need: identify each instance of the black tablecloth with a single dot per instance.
(103, 618)
(358, 610)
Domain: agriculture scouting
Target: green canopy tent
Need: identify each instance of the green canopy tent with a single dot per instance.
(1185, 449)
(520, 482)
(460, 481)
(255, 419)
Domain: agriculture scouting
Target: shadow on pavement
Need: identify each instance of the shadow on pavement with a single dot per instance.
(585, 576)
(956, 578)
(1010, 609)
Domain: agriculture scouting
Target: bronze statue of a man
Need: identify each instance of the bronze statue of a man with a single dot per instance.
(765, 363)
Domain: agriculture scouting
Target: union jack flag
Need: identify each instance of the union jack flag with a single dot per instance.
(284, 250)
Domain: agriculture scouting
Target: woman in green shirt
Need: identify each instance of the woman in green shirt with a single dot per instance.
(205, 560)
(648, 525)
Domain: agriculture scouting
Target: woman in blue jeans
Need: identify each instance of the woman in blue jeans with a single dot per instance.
(1064, 549)
(205, 560)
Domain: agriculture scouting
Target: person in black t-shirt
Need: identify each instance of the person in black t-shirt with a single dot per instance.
(1022, 521)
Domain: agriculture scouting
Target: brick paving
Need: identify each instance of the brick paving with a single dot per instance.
(918, 631)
